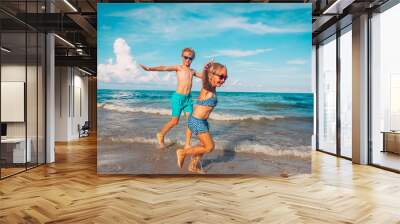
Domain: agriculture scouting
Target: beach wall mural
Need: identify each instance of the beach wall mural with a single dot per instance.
(204, 89)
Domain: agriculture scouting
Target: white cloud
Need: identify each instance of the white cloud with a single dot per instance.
(262, 7)
(238, 53)
(178, 22)
(258, 27)
(296, 62)
(125, 69)
(272, 86)
(245, 63)
(235, 82)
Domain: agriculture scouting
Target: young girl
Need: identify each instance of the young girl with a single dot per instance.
(215, 75)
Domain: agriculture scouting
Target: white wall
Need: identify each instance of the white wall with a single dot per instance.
(10, 73)
(33, 126)
(70, 84)
(62, 81)
(13, 73)
(80, 114)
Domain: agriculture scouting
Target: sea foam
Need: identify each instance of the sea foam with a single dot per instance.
(302, 152)
(214, 116)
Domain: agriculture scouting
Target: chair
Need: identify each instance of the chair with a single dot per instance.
(84, 130)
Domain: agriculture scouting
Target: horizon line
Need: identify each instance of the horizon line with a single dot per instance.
(199, 91)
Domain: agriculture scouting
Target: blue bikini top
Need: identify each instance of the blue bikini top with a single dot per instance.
(211, 102)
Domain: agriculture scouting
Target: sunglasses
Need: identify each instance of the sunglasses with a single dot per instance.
(187, 58)
(222, 76)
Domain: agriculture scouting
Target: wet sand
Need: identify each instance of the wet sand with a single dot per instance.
(146, 158)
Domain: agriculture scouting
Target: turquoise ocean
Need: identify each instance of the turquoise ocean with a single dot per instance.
(269, 123)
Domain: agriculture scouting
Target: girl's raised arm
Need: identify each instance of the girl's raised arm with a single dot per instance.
(205, 68)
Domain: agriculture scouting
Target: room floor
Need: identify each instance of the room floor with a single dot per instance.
(70, 191)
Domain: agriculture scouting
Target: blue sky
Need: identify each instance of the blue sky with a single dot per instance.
(266, 47)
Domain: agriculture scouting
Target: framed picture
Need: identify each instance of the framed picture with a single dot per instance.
(204, 88)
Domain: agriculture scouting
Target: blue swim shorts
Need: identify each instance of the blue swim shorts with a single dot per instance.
(181, 102)
(197, 125)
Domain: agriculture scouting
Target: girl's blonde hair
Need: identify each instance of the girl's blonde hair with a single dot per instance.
(214, 67)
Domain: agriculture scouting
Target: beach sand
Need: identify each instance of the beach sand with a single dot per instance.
(147, 158)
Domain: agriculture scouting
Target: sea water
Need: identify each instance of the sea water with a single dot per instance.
(275, 124)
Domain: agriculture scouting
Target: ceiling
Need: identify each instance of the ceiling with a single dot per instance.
(75, 21)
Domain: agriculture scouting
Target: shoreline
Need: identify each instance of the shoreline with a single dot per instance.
(146, 158)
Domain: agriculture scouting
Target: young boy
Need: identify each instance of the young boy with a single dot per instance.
(181, 99)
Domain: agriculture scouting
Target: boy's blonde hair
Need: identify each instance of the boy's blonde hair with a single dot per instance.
(188, 49)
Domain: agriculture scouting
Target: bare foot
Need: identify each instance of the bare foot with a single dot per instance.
(160, 139)
(197, 170)
(180, 156)
(284, 174)
(193, 167)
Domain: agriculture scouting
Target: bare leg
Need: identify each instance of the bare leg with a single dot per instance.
(194, 165)
(188, 135)
(206, 147)
(170, 124)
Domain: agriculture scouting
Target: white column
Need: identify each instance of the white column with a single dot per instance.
(360, 90)
(50, 100)
(50, 92)
(314, 90)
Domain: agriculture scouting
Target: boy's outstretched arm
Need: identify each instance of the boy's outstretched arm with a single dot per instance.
(160, 68)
